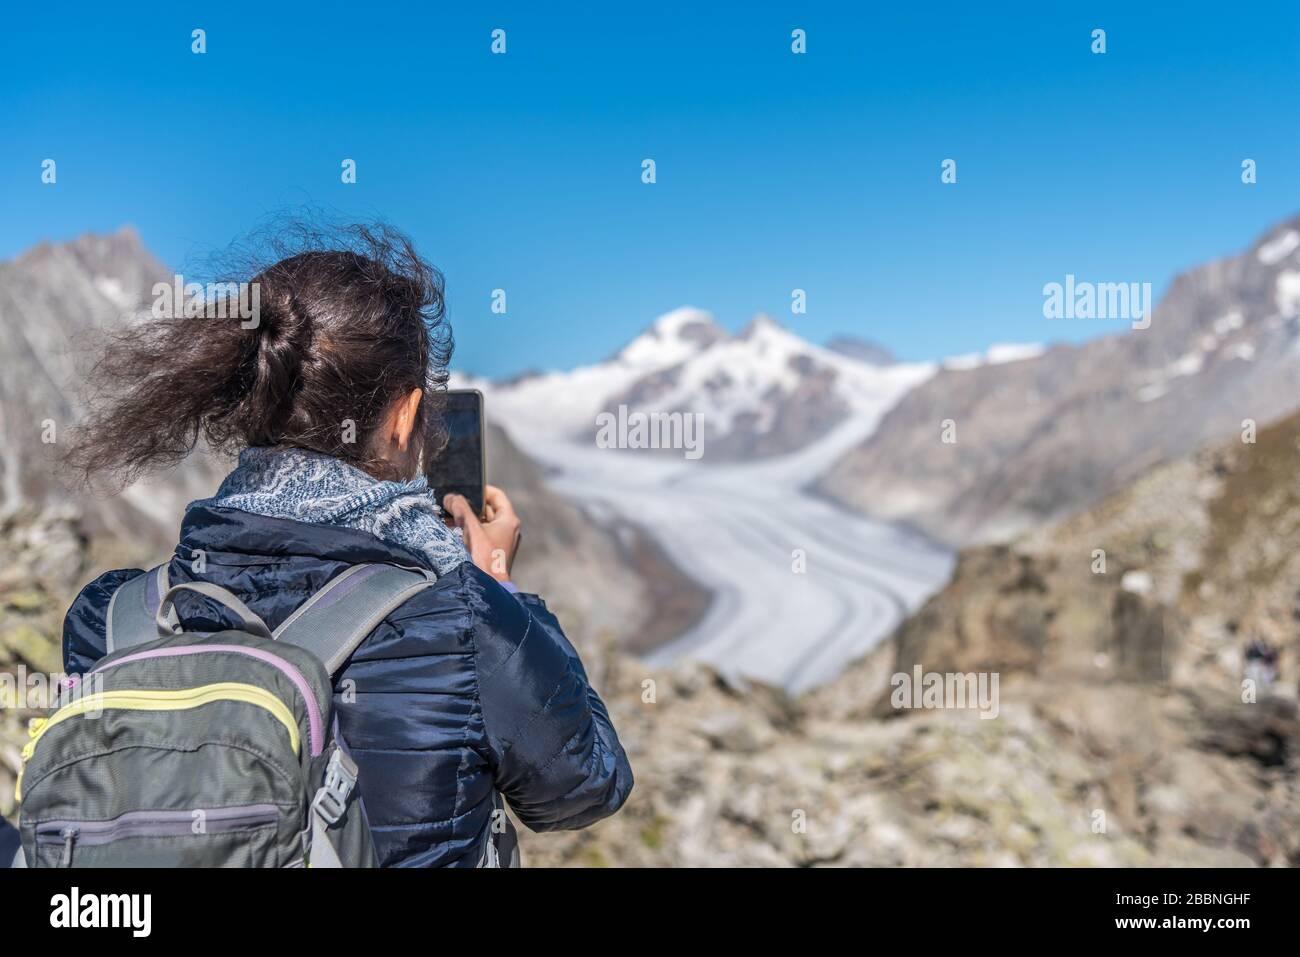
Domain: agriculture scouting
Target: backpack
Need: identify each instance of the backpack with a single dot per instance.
(180, 749)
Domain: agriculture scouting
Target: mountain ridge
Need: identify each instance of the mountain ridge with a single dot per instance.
(763, 391)
(1039, 437)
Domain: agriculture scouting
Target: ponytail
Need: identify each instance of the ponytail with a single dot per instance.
(341, 329)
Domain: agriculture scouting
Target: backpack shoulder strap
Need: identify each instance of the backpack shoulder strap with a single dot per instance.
(335, 620)
(132, 610)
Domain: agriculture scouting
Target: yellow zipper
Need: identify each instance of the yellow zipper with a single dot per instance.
(180, 700)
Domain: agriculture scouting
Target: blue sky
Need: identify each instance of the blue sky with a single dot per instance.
(775, 171)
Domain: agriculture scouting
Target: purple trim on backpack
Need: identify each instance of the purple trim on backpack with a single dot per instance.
(343, 588)
(315, 724)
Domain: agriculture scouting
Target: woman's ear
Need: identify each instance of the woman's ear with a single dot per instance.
(403, 420)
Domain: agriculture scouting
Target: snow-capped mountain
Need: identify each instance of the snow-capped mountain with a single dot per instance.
(764, 391)
(672, 338)
(566, 403)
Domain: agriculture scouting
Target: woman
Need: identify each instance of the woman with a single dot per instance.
(329, 396)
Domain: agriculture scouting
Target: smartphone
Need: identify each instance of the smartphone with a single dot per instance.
(461, 465)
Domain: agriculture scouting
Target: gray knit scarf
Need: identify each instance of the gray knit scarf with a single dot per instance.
(322, 490)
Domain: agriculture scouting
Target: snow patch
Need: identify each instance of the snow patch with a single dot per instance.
(1149, 393)
(967, 360)
(1001, 352)
(998, 354)
(1189, 364)
(1288, 293)
(112, 290)
(1274, 251)
(1226, 324)
(1184, 365)
(1137, 581)
(664, 343)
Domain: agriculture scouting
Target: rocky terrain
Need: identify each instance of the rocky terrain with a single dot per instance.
(1121, 738)
(1121, 735)
(43, 557)
(1038, 438)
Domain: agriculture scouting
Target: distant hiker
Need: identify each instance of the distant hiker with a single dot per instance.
(465, 691)
(1261, 664)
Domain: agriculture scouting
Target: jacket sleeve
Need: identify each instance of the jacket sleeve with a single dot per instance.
(84, 627)
(557, 757)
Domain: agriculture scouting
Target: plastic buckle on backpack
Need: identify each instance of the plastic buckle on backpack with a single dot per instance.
(331, 799)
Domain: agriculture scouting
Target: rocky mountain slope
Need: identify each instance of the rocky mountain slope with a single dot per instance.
(1038, 438)
(1121, 736)
(55, 303)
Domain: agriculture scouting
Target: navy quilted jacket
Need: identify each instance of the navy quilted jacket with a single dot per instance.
(463, 689)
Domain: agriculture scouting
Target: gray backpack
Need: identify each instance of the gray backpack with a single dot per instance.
(181, 749)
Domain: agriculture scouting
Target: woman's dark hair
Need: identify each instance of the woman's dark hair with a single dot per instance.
(348, 319)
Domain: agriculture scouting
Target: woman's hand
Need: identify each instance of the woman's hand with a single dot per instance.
(492, 543)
